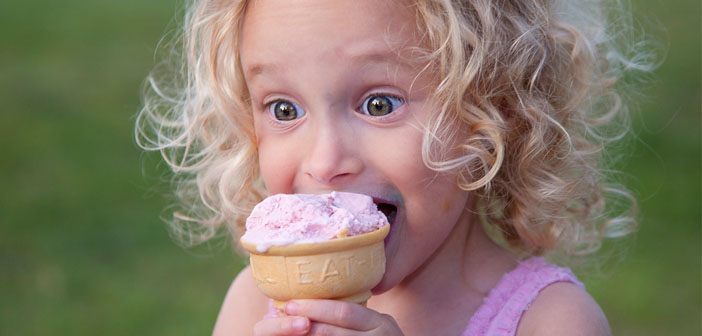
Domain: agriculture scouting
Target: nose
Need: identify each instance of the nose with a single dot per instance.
(333, 160)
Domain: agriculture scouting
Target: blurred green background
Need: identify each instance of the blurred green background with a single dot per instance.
(83, 250)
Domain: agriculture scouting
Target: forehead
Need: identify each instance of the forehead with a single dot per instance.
(275, 29)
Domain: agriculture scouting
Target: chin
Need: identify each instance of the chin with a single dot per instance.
(389, 279)
(383, 286)
(396, 220)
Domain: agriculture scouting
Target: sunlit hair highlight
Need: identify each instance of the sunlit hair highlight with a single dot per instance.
(197, 116)
(527, 102)
(529, 95)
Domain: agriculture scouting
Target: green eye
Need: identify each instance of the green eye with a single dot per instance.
(286, 111)
(381, 105)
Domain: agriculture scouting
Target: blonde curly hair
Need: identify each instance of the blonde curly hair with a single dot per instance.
(528, 91)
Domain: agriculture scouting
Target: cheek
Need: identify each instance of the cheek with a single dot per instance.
(277, 167)
(439, 203)
(398, 153)
(434, 206)
(276, 158)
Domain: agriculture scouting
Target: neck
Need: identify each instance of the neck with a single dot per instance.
(468, 258)
(454, 279)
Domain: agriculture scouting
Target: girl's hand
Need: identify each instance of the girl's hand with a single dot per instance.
(282, 326)
(328, 317)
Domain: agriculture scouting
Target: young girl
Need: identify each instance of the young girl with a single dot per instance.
(475, 122)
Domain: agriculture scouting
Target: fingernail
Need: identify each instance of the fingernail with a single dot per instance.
(300, 323)
(291, 308)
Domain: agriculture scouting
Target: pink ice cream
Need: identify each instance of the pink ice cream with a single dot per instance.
(285, 219)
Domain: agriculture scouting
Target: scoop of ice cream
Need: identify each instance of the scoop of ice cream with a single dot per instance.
(299, 218)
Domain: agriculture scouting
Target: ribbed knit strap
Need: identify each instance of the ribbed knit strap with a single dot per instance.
(503, 307)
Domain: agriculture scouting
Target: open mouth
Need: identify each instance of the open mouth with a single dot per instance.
(389, 210)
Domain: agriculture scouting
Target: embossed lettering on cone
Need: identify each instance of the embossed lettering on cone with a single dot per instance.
(341, 269)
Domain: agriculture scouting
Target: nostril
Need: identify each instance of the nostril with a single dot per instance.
(317, 179)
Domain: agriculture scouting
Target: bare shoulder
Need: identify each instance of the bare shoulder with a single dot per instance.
(243, 306)
(563, 308)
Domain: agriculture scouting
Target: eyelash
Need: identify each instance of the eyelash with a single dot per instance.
(299, 111)
(395, 100)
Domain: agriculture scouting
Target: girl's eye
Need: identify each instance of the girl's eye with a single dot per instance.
(380, 105)
(285, 110)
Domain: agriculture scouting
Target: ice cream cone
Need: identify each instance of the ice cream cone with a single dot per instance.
(340, 269)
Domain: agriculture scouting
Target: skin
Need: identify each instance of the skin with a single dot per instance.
(328, 57)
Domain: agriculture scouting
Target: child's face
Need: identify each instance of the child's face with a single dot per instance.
(339, 104)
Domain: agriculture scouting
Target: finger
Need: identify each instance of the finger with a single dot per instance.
(281, 326)
(319, 329)
(389, 328)
(339, 313)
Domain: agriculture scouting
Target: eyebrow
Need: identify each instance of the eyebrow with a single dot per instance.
(385, 56)
(375, 57)
(260, 68)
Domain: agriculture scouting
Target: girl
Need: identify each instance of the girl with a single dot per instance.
(473, 122)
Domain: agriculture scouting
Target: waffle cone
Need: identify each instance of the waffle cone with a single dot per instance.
(339, 269)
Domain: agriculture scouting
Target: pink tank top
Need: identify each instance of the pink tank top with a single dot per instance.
(503, 307)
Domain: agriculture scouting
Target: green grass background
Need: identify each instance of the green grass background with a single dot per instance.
(82, 248)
